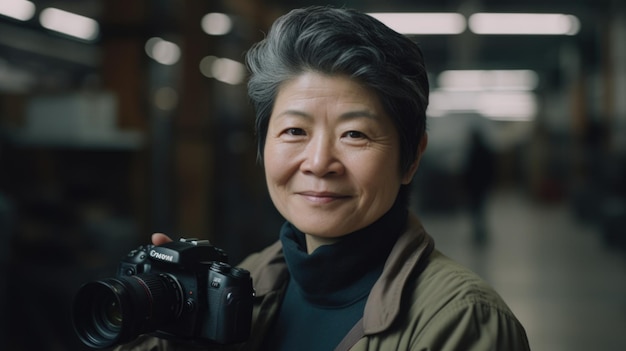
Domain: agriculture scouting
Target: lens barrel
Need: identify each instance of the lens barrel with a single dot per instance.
(117, 310)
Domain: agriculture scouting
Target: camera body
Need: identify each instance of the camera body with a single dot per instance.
(182, 290)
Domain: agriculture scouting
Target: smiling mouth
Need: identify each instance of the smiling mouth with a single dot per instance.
(322, 197)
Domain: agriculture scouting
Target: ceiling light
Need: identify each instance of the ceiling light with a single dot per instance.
(18, 9)
(216, 23)
(423, 23)
(508, 106)
(222, 69)
(499, 106)
(524, 23)
(482, 80)
(162, 51)
(206, 65)
(229, 71)
(69, 23)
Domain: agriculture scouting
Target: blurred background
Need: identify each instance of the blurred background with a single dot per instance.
(123, 118)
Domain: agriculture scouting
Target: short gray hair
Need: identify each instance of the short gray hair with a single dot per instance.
(342, 41)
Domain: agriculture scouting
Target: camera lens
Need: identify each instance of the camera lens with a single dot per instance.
(112, 314)
(107, 316)
(116, 310)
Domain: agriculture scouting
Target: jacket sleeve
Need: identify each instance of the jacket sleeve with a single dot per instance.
(473, 326)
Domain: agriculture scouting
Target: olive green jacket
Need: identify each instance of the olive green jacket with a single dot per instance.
(422, 301)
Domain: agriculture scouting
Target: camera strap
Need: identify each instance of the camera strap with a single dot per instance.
(354, 335)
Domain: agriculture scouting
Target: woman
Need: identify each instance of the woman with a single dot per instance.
(340, 105)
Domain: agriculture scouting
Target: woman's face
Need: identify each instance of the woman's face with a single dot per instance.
(331, 155)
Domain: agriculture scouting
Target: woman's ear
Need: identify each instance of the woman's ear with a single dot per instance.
(408, 176)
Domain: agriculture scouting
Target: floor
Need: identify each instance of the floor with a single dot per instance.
(565, 285)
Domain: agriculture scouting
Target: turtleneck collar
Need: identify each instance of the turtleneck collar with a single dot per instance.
(342, 273)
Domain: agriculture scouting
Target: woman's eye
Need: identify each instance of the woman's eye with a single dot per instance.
(294, 131)
(353, 134)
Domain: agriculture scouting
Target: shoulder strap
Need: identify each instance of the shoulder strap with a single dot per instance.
(354, 335)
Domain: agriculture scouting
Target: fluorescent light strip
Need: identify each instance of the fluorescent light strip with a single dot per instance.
(69, 23)
(508, 106)
(485, 80)
(524, 23)
(18, 9)
(499, 106)
(423, 23)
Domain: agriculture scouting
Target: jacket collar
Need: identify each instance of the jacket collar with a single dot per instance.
(383, 304)
(269, 273)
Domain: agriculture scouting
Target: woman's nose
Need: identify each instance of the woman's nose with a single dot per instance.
(321, 158)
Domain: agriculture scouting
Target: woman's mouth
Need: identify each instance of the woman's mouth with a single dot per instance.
(323, 197)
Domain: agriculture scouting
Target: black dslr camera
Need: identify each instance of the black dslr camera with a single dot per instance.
(181, 290)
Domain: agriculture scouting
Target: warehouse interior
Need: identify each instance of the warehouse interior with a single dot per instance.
(141, 124)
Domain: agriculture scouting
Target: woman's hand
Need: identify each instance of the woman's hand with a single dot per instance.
(160, 239)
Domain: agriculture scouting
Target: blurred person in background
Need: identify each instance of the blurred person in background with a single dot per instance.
(479, 178)
(340, 104)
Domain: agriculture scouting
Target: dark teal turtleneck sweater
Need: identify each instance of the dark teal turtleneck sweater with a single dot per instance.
(326, 294)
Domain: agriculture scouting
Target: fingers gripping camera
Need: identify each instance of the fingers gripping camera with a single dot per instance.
(183, 290)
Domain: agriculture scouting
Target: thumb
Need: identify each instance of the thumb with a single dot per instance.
(160, 239)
